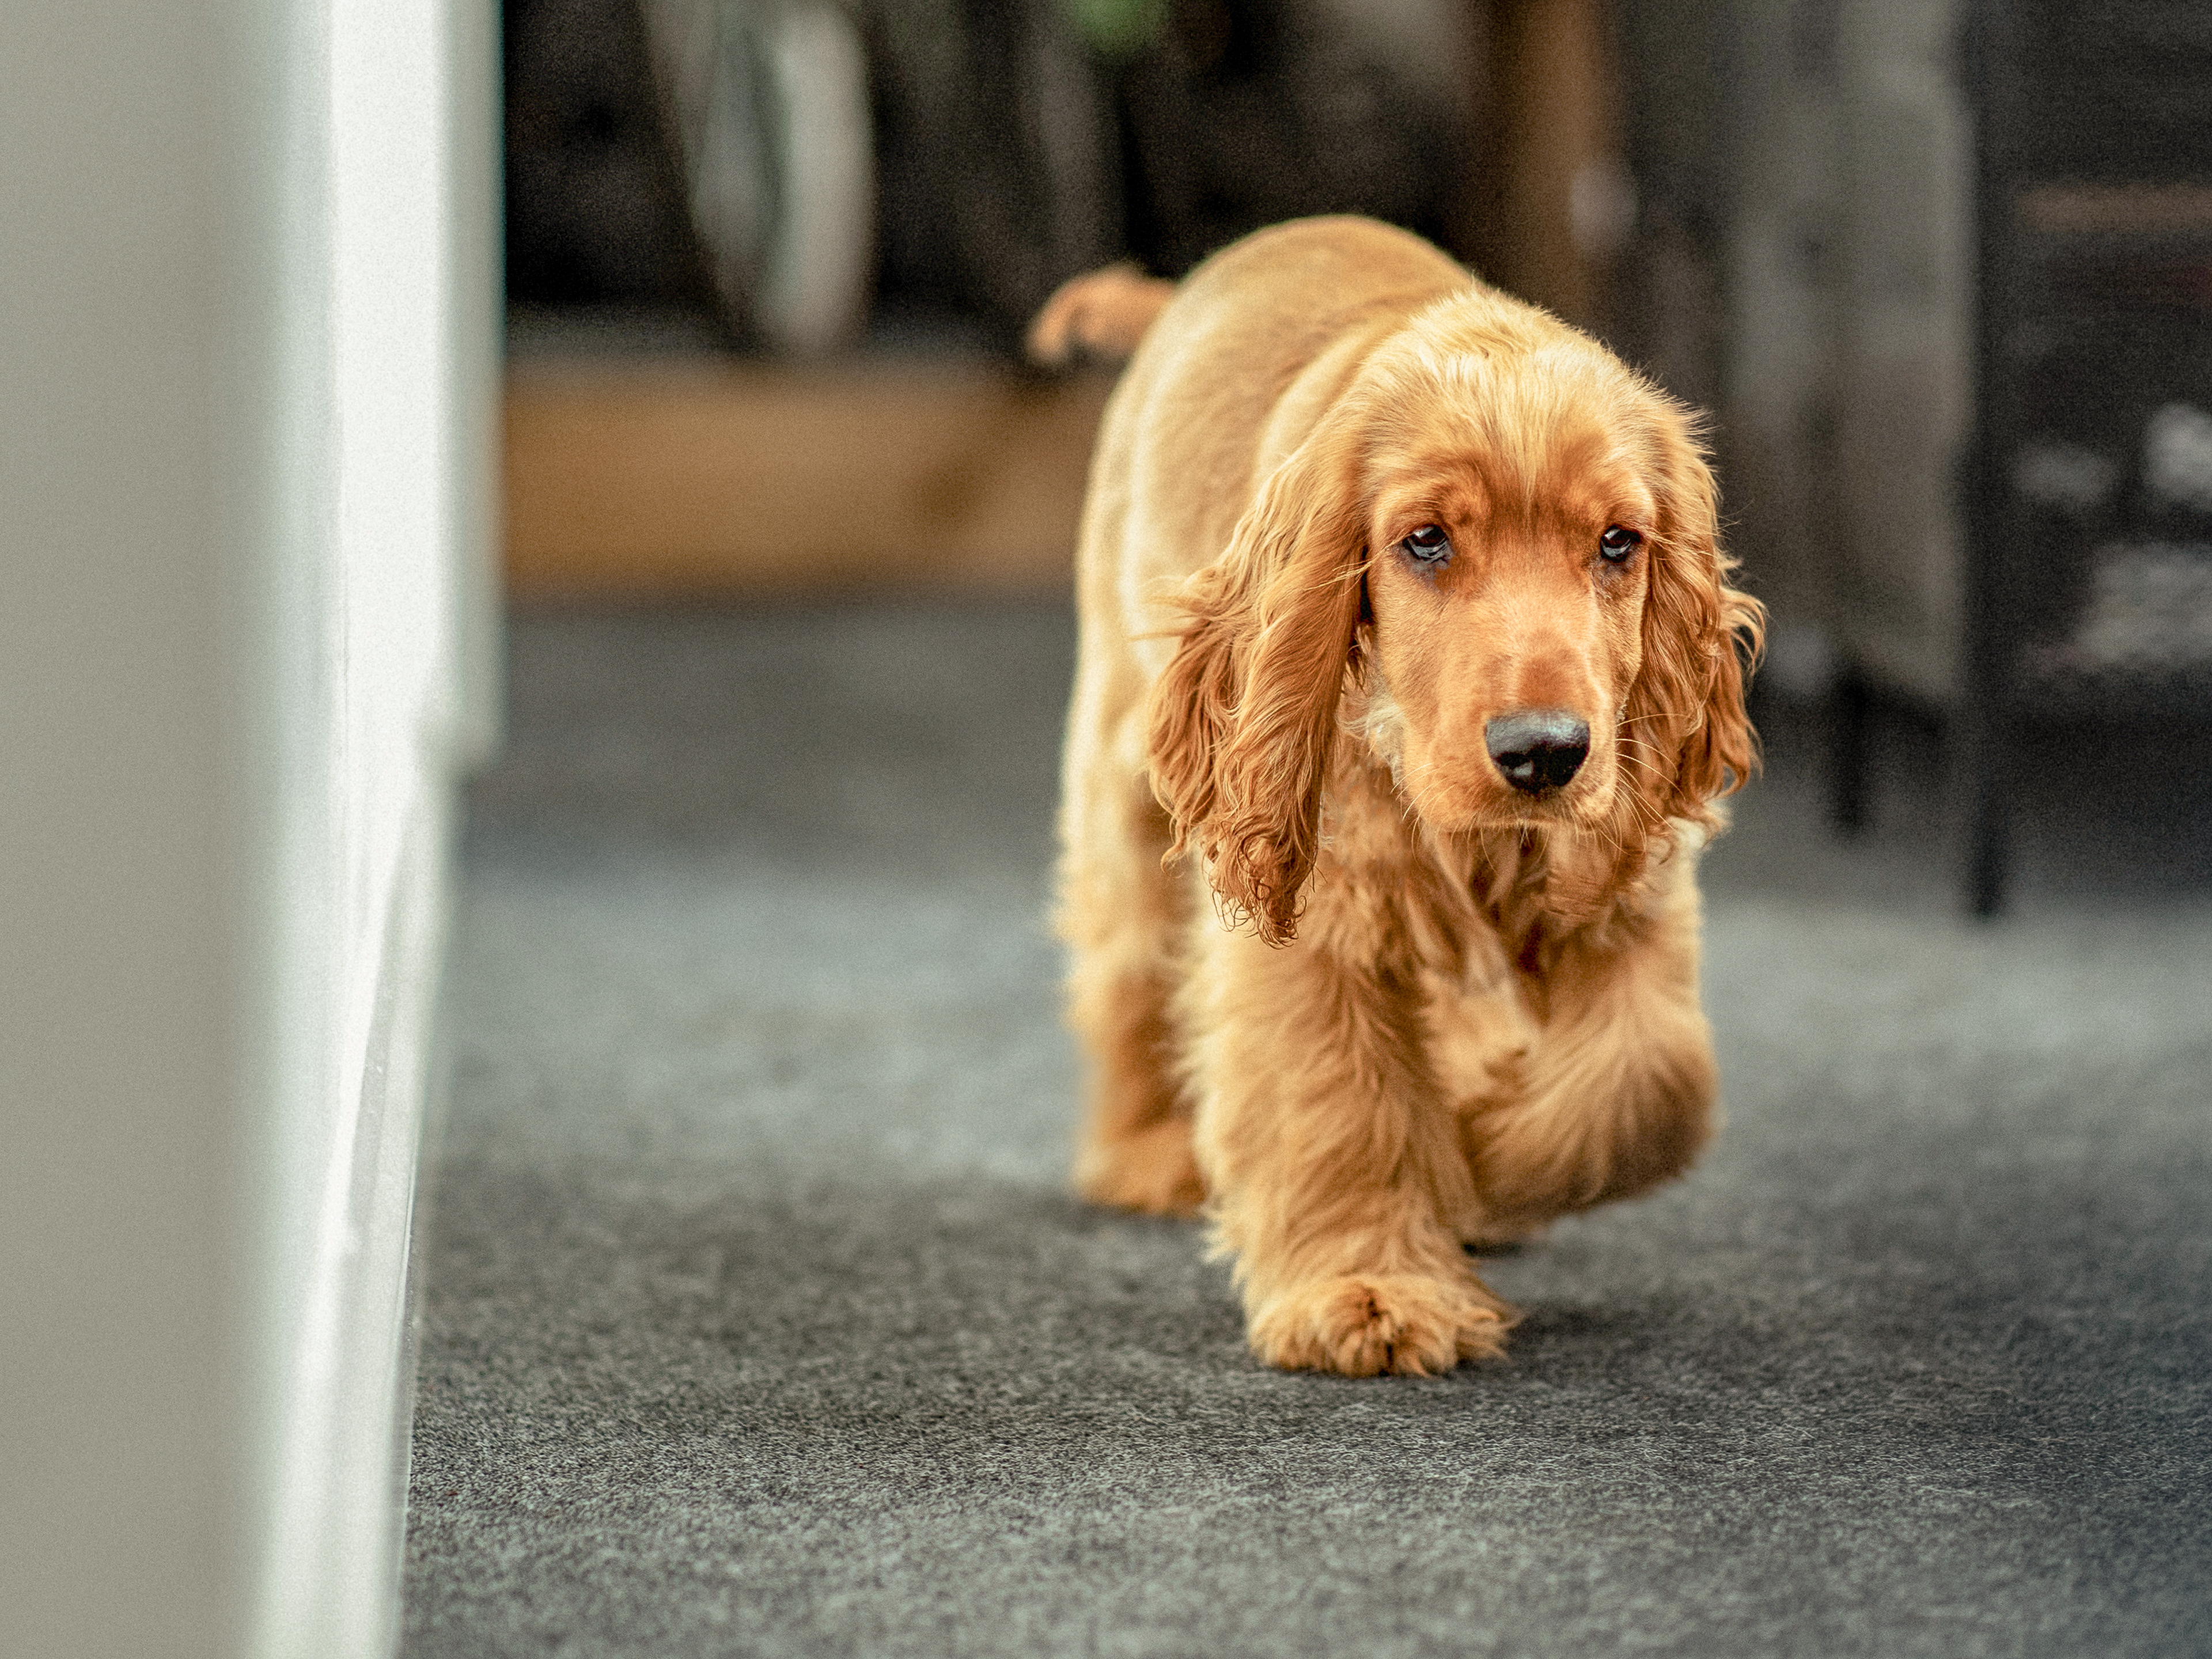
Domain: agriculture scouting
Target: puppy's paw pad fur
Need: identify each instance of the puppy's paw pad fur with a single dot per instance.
(1365, 1324)
(1153, 1171)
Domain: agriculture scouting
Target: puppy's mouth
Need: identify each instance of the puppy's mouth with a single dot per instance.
(1578, 808)
(1474, 801)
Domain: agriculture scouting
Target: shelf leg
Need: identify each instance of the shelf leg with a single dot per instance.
(1989, 827)
(1851, 730)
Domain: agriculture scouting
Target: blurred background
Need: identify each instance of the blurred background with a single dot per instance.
(758, 1315)
(603, 703)
(768, 263)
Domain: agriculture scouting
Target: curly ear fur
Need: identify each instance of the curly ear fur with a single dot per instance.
(1686, 727)
(1244, 721)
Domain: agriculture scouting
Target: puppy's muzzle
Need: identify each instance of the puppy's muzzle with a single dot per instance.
(1538, 749)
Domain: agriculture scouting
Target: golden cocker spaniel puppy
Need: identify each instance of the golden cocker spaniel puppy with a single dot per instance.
(1404, 616)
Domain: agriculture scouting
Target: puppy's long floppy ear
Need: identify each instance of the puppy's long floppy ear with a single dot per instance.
(1244, 721)
(1686, 725)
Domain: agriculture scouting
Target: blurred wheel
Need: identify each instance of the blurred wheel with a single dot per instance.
(770, 108)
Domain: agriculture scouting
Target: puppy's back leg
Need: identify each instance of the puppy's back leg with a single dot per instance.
(1119, 914)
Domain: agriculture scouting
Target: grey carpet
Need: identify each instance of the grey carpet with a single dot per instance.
(758, 1321)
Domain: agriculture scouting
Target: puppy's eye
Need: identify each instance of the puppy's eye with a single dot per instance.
(1617, 543)
(1428, 545)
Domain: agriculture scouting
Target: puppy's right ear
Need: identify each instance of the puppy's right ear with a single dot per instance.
(1243, 720)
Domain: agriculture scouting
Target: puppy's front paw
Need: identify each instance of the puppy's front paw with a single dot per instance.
(1359, 1324)
(1152, 1170)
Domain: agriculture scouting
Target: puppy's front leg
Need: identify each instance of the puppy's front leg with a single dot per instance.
(1617, 1092)
(1333, 1160)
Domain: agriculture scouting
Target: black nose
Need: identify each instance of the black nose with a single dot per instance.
(1538, 749)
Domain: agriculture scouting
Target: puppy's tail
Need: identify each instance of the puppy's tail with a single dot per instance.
(1102, 314)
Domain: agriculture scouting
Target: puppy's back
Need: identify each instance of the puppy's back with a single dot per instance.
(1282, 294)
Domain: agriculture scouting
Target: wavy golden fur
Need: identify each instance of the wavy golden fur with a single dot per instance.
(1390, 1004)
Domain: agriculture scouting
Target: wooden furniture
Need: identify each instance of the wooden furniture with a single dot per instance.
(714, 479)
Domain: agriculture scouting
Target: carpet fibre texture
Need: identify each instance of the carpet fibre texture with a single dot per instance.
(758, 1319)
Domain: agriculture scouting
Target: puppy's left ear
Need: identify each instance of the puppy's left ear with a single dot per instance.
(1685, 712)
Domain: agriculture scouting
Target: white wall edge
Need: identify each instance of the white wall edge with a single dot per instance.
(331, 1589)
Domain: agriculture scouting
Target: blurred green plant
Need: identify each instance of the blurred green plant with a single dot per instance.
(1117, 29)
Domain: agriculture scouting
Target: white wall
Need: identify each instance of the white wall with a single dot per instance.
(245, 343)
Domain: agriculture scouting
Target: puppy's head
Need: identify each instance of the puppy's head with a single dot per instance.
(1511, 542)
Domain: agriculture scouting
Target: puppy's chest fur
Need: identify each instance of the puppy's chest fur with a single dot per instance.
(1475, 921)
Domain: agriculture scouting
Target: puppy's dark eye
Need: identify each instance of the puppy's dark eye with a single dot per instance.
(1428, 545)
(1617, 544)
